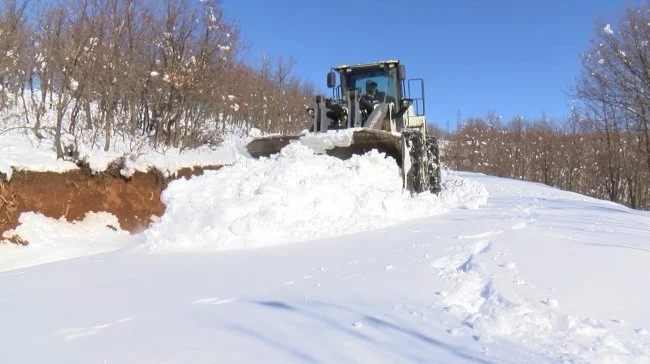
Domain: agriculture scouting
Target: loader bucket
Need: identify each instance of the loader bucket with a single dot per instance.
(361, 142)
(365, 140)
(416, 156)
(269, 145)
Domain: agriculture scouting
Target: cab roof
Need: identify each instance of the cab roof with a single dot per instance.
(366, 65)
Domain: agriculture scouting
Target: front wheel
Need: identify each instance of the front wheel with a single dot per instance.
(421, 162)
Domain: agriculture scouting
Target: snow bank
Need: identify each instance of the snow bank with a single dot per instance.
(295, 196)
(53, 240)
(20, 150)
(23, 152)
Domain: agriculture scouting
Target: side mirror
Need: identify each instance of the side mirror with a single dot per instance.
(401, 72)
(331, 79)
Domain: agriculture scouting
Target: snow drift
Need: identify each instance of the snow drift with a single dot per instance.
(296, 195)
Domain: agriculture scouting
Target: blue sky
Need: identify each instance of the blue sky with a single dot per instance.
(515, 57)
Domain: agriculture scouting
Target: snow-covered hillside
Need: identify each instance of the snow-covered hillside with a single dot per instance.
(305, 258)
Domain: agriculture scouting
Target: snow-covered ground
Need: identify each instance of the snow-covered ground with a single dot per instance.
(305, 258)
(21, 150)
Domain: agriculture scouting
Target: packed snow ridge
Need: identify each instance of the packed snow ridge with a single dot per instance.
(296, 195)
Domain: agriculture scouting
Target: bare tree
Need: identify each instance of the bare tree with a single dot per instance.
(13, 38)
(613, 87)
(167, 72)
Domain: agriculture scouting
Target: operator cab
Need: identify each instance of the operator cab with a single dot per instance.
(359, 80)
(373, 95)
(388, 76)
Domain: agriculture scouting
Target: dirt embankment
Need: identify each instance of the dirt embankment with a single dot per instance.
(72, 194)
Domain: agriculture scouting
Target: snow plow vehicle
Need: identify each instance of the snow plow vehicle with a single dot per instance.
(373, 103)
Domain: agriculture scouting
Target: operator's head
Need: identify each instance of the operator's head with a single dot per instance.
(371, 86)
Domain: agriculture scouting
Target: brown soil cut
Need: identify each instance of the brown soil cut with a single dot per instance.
(72, 194)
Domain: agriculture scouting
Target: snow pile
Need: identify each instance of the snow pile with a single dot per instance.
(53, 240)
(295, 195)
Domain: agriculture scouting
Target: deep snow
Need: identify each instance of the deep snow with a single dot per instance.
(305, 258)
(295, 196)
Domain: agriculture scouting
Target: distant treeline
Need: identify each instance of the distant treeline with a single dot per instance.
(168, 70)
(603, 149)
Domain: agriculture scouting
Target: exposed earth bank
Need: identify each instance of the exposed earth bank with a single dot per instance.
(134, 201)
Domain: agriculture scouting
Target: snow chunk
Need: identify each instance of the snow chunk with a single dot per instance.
(320, 142)
(608, 29)
(129, 167)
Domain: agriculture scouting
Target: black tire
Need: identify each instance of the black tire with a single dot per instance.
(421, 162)
(433, 165)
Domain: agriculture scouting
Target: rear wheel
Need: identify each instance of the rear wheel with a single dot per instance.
(421, 162)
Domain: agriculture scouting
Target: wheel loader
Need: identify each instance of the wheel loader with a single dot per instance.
(374, 101)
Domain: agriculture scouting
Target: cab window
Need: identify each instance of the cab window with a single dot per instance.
(384, 82)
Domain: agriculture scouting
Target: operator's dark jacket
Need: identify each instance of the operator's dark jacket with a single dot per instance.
(367, 101)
